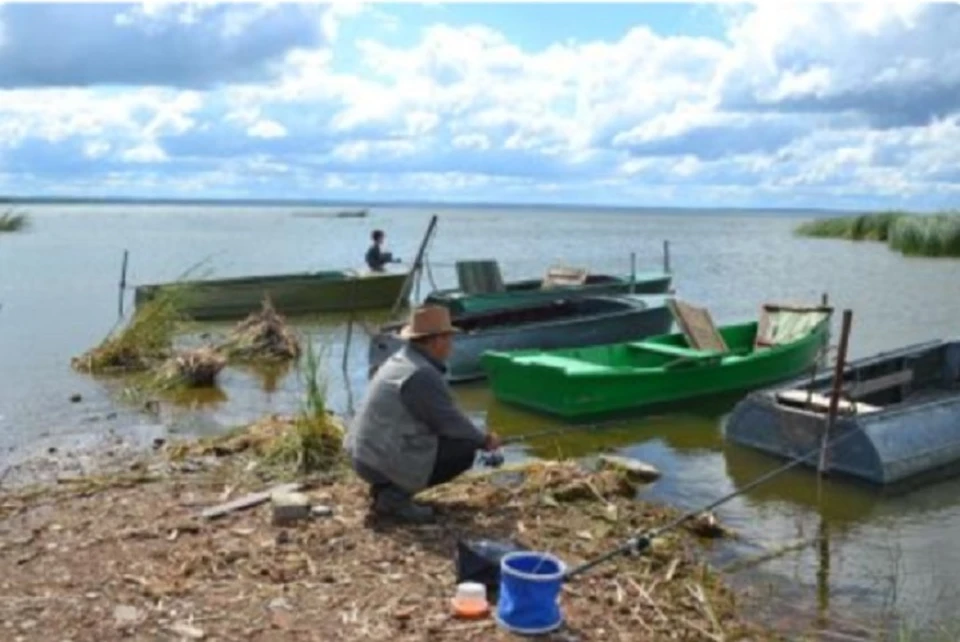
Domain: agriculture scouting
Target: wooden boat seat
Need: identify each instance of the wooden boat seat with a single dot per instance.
(479, 277)
(672, 351)
(572, 366)
(559, 276)
(821, 403)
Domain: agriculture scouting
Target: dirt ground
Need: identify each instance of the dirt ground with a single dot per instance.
(126, 556)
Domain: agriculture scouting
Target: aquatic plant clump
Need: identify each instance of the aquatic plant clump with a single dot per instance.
(12, 221)
(142, 344)
(262, 336)
(866, 227)
(935, 235)
(197, 368)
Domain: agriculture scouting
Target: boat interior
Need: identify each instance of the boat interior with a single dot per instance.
(699, 342)
(911, 376)
(541, 312)
(484, 277)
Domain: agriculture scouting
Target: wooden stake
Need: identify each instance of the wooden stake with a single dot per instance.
(633, 272)
(837, 387)
(666, 256)
(123, 284)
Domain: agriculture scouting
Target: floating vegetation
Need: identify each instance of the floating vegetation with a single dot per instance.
(144, 343)
(263, 336)
(936, 235)
(196, 368)
(11, 221)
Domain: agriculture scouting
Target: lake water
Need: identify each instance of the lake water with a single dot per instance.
(59, 291)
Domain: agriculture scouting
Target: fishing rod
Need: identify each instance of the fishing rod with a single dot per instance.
(639, 543)
(495, 459)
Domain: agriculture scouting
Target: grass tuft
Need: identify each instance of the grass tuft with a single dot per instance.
(146, 341)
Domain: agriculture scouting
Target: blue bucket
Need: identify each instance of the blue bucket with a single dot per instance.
(529, 592)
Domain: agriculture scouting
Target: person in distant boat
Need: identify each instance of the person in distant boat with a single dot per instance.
(376, 257)
(408, 433)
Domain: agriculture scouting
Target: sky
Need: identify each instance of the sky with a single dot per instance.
(776, 104)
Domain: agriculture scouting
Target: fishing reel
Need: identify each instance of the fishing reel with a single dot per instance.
(493, 459)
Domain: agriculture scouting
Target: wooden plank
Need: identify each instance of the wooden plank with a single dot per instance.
(821, 403)
(786, 307)
(870, 386)
(697, 326)
(559, 275)
(248, 501)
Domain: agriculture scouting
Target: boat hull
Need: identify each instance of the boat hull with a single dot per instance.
(324, 292)
(576, 390)
(527, 292)
(465, 363)
(888, 445)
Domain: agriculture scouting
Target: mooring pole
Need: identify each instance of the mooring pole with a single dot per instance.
(839, 367)
(633, 272)
(123, 284)
(666, 255)
(417, 266)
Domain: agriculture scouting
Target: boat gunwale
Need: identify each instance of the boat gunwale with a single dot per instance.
(456, 293)
(271, 279)
(628, 309)
(510, 356)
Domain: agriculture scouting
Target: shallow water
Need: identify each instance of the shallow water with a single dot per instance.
(59, 290)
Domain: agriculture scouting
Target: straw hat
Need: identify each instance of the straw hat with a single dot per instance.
(426, 321)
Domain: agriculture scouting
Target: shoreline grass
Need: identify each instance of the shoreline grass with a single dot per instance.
(930, 235)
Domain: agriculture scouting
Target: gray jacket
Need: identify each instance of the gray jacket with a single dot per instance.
(407, 407)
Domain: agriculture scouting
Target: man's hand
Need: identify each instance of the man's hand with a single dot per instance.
(492, 442)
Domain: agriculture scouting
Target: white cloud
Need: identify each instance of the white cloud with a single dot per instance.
(804, 102)
(267, 129)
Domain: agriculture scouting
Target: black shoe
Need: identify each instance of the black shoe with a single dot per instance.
(399, 506)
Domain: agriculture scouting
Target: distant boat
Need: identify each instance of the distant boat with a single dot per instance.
(700, 361)
(544, 324)
(362, 213)
(898, 420)
(482, 288)
(291, 294)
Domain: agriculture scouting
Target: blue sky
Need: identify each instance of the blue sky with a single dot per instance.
(766, 105)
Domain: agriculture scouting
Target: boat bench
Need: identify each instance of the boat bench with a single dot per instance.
(573, 366)
(673, 351)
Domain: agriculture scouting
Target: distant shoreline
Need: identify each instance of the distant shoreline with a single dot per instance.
(8, 201)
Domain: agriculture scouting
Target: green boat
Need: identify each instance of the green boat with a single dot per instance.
(290, 294)
(482, 289)
(601, 380)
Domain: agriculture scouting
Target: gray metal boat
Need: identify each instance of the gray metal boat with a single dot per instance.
(562, 323)
(903, 405)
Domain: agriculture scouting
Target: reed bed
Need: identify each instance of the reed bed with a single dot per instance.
(11, 221)
(936, 235)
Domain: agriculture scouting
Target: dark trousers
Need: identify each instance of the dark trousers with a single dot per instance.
(454, 457)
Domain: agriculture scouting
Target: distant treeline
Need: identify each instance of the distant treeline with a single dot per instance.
(910, 234)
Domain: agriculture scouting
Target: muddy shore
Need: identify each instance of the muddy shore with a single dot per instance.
(125, 554)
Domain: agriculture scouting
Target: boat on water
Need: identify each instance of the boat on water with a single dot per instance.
(898, 418)
(290, 294)
(482, 288)
(634, 375)
(564, 322)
